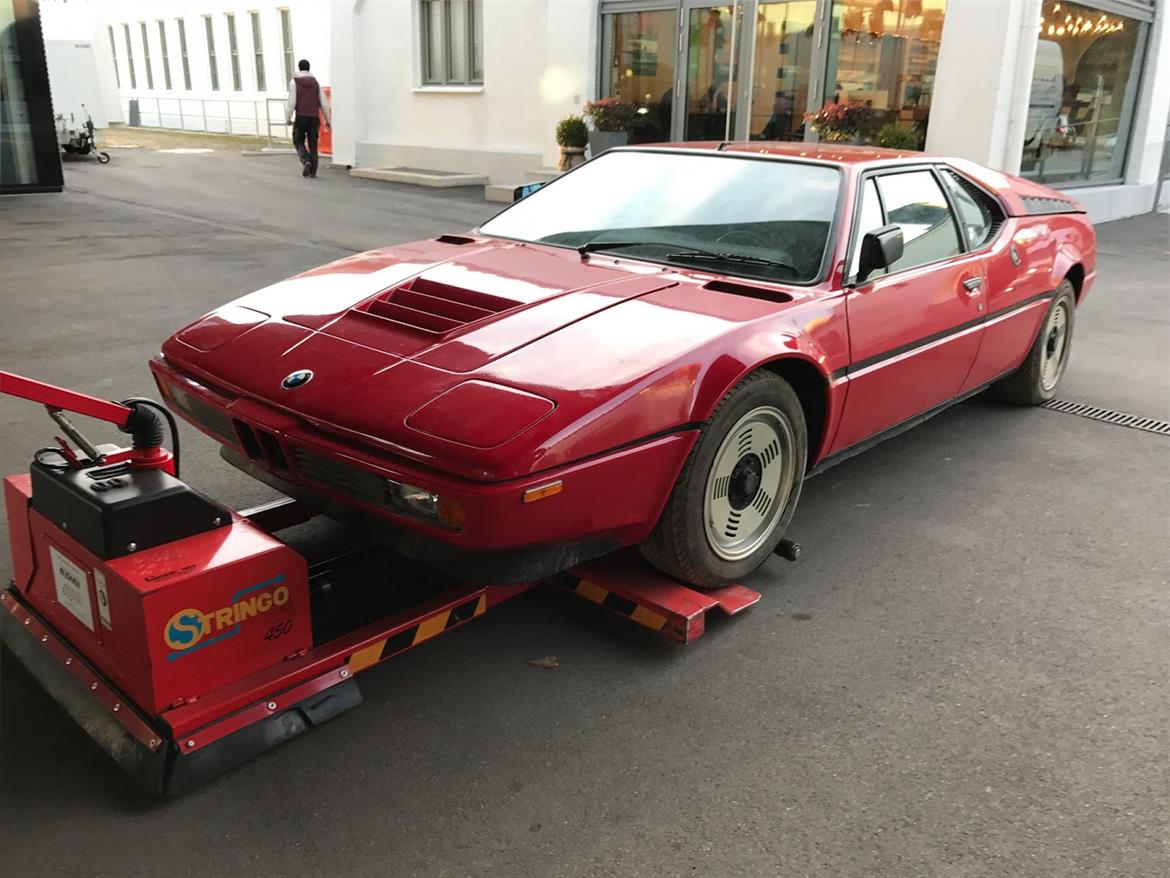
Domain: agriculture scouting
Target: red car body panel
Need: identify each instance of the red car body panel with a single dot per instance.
(599, 371)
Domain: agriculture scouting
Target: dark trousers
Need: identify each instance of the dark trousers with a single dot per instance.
(304, 132)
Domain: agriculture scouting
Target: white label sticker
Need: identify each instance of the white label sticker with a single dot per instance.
(99, 580)
(72, 587)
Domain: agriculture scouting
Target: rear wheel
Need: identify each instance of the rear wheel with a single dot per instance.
(738, 489)
(1035, 382)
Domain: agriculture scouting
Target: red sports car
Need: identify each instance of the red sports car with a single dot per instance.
(656, 349)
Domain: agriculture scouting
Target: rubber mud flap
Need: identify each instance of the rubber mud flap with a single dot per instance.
(148, 768)
(192, 770)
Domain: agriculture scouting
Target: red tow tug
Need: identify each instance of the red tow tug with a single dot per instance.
(185, 638)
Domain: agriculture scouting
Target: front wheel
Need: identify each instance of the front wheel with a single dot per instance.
(738, 489)
(1035, 382)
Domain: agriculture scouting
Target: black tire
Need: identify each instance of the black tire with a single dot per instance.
(685, 542)
(1033, 383)
(103, 158)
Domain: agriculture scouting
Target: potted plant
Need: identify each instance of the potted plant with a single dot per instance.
(893, 136)
(572, 136)
(839, 122)
(612, 120)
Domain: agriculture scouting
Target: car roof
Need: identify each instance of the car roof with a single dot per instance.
(834, 153)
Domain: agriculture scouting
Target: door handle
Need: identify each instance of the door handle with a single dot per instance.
(973, 285)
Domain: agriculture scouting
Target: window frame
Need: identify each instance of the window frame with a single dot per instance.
(474, 78)
(146, 55)
(286, 43)
(850, 282)
(183, 53)
(942, 169)
(114, 56)
(162, 46)
(234, 52)
(212, 58)
(258, 51)
(130, 56)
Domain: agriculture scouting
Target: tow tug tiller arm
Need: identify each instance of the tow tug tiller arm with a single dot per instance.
(136, 416)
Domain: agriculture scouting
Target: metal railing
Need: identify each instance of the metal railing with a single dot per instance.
(215, 115)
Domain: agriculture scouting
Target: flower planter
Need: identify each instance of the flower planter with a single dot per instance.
(600, 141)
(571, 157)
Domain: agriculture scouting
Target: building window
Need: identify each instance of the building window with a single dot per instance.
(234, 52)
(1084, 87)
(162, 47)
(146, 55)
(114, 54)
(129, 56)
(258, 51)
(211, 63)
(183, 53)
(884, 55)
(286, 39)
(451, 36)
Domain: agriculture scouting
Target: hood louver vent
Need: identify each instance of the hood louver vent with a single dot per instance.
(432, 307)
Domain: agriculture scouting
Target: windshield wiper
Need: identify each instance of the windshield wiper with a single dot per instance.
(739, 258)
(593, 246)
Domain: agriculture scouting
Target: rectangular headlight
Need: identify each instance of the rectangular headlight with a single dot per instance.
(424, 505)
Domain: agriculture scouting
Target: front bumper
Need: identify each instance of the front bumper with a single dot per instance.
(615, 497)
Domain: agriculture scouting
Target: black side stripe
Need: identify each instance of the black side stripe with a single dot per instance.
(937, 336)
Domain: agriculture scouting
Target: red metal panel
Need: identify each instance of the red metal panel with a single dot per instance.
(17, 496)
(115, 703)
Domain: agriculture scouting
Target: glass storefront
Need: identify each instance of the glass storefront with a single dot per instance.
(1084, 89)
(752, 69)
(883, 53)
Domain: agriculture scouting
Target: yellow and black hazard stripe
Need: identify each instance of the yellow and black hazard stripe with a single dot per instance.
(591, 591)
(415, 634)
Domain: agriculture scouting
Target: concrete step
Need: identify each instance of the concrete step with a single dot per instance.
(543, 175)
(501, 192)
(420, 177)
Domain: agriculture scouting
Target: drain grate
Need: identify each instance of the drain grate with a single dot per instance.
(1109, 416)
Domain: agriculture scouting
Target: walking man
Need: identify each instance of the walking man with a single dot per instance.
(305, 98)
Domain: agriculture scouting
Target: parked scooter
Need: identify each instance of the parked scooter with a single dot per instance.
(79, 139)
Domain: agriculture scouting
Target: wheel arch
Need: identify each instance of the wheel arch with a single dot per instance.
(805, 376)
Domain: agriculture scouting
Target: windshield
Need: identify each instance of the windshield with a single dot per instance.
(742, 216)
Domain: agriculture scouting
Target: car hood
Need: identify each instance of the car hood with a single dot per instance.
(449, 350)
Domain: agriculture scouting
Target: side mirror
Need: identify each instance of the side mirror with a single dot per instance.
(524, 191)
(880, 248)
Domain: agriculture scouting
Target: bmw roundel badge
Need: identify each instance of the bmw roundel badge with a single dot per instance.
(296, 379)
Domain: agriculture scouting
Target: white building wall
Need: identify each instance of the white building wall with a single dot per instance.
(202, 108)
(67, 26)
(538, 67)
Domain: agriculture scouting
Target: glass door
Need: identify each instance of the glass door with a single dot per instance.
(638, 66)
(782, 65)
(713, 55)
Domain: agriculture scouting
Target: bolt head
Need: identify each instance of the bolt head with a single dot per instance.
(272, 705)
(93, 685)
(117, 707)
(344, 673)
(44, 638)
(68, 659)
(132, 547)
(217, 521)
(191, 742)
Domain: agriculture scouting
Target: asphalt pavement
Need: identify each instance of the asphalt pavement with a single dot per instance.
(965, 674)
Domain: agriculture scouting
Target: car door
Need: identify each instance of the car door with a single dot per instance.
(914, 329)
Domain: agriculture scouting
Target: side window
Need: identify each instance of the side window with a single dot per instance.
(915, 202)
(869, 219)
(978, 213)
